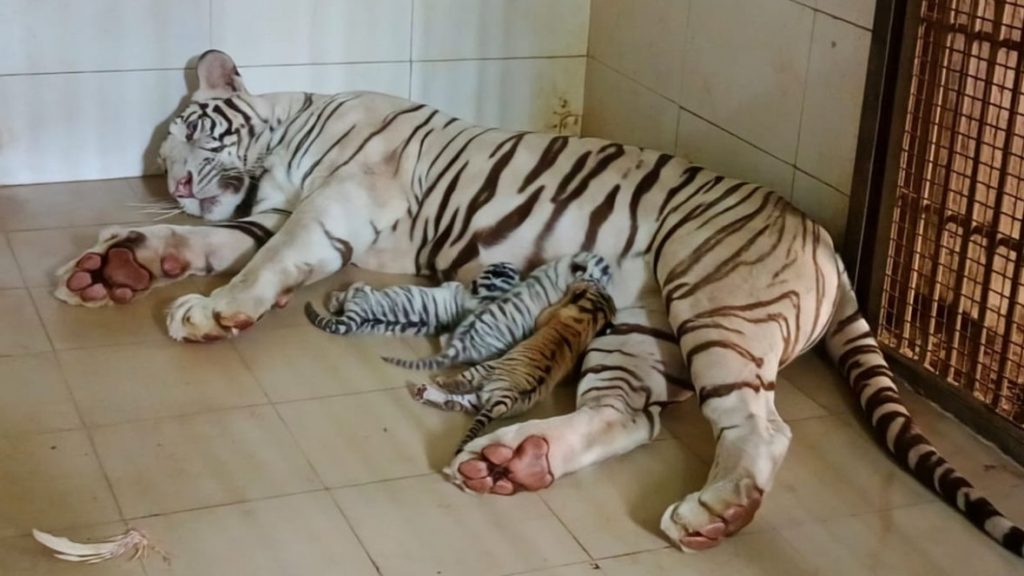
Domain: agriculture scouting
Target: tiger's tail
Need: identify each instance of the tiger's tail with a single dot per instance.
(442, 360)
(853, 347)
(494, 409)
(325, 322)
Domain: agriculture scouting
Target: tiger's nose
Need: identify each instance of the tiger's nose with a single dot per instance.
(183, 188)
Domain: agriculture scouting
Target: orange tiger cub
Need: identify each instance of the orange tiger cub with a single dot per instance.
(510, 385)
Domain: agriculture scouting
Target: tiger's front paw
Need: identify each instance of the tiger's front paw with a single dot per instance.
(122, 266)
(196, 318)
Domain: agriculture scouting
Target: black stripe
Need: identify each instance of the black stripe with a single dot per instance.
(260, 234)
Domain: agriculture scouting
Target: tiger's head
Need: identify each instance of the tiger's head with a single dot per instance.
(590, 266)
(212, 152)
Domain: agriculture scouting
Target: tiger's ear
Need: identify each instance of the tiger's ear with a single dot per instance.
(218, 76)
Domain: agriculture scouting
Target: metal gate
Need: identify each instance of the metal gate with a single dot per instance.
(949, 289)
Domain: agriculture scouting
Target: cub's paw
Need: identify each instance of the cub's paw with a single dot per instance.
(704, 519)
(194, 318)
(122, 266)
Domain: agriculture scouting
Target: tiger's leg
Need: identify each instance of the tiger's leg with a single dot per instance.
(437, 397)
(747, 299)
(128, 262)
(737, 398)
(321, 236)
(628, 375)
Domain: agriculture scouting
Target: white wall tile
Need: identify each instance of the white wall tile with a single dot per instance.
(825, 204)
(860, 12)
(518, 94)
(832, 104)
(60, 36)
(706, 144)
(312, 31)
(618, 108)
(82, 126)
(386, 77)
(745, 66)
(643, 39)
(449, 29)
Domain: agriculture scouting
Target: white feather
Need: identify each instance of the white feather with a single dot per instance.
(132, 541)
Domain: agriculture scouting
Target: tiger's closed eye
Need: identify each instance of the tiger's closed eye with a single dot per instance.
(190, 129)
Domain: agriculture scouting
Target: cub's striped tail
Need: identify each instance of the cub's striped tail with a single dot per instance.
(442, 360)
(853, 347)
(325, 322)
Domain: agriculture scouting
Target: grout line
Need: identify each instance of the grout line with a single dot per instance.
(412, 47)
(816, 179)
(296, 64)
(309, 462)
(20, 269)
(803, 96)
(562, 523)
(224, 504)
(88, 434)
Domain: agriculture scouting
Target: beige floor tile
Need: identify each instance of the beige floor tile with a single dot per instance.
(41, 253)
(175, 464)
(685, 422)
(425, 525)
(615, 507)
(21, 331)
(583, 569)
(70, 204)
(33, 396)
(762, 554)
(10, 277)
(820, 380)
(302, 362)
(119, 384)
(302, 535)
(140, 321)
(927, 540)
(23, 556)
(361, 438)
(835, 469)
(51, 481)
(981, 462)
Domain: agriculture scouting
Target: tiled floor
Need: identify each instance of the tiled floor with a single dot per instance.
(290, 452)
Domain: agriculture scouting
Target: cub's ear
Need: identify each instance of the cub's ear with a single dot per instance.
(218, 76)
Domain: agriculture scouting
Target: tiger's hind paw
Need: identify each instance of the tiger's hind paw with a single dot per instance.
(704, 519)
(500, 469)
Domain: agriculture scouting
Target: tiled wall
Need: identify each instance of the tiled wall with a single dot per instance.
(85, 85)
(764, 90)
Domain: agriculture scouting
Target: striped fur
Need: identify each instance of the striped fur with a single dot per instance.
(499, 325)
(512, 384)
(411, 310)
(719, 283)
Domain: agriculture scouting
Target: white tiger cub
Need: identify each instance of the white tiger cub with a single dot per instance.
(512, 384)
(411, 310)
(493, 329)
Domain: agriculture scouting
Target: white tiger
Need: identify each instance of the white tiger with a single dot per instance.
(719, 282)
(494, 328)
